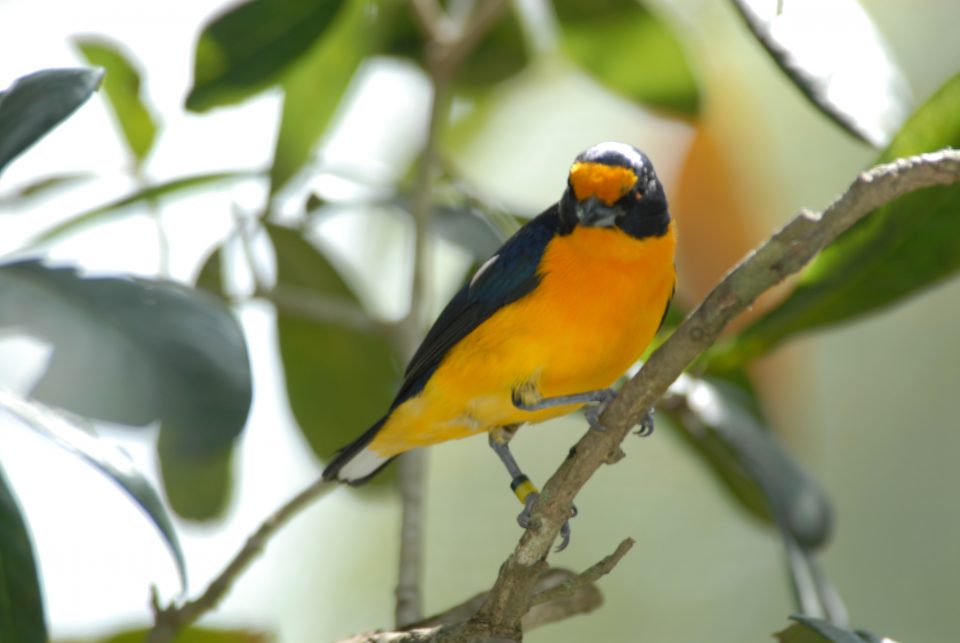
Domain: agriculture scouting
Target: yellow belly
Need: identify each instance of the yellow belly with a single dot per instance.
(597, 307)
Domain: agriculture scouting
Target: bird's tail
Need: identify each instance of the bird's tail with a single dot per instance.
(356, 463)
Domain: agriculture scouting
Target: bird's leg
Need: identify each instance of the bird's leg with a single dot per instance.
(525, 490)
(600, 396)
(599, 400)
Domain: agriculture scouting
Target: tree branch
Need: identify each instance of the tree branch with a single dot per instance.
(783, 254)
(591, 575)
(560, 594)
(168, 621)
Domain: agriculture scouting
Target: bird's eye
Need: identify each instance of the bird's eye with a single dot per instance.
(638, 195)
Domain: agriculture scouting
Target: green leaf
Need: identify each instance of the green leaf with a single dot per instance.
(210, 278)
(122, 87)
(749, 460)
(836, 56)
(807, 629)
(630, 50)
(246, 49)
(501, 54)
(153, 193)
(315, 84)
(21, 604)
(467, 227)
(108, 459)
(161, 351)
(339, 380)
(41, 187)
(896, 251)
(197, 481)
(37, 103)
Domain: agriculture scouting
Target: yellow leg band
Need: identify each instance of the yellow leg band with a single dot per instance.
(522, 488)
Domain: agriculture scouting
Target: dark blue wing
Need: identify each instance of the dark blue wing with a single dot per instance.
(511, 276)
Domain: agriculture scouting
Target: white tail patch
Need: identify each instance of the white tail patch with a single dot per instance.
(361, 465)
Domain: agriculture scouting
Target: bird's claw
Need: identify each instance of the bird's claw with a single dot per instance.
(525, 520)
(646, 424)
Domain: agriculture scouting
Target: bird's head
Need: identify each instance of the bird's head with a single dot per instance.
(614, 185)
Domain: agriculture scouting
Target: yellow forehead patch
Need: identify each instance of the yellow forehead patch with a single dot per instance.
(606, 182)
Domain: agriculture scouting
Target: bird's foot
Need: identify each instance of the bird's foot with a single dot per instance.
(525, 520)
(602, 399)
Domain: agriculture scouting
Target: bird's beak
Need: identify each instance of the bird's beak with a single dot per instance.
(595, 214)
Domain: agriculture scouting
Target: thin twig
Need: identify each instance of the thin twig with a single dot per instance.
(411, 474)
(783, 254)
(447, 46)
(168, 621)
(591, 575)
(412, 465)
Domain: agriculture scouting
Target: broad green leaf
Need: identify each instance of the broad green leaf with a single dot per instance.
(339, 380)
(896, 251)
(156, 192)
(161, 351)
(122, 87)
(630, 50)
(37, 103)
(21, 604)
(835, 55)
(197, 481)
(315, 84)
(108, 459)
(814, 630)
(246, 49)
(188, 635)
(750, 461)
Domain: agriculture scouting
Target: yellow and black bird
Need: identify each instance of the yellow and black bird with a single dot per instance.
(545, 325)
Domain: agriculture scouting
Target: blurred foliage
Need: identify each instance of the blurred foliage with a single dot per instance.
(339, 380)
(308, 105)
(155, 192)
(717, 420)
(815, 630)
(174, 355)
(163, 353)
(35, 104)
(122, 86)
(189, 635)
(246, 49)
(858, 57)
(630, 50)
(897, 251)
(21, 604)
(111, 461)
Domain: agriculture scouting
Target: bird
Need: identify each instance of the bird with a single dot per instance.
(543, 327)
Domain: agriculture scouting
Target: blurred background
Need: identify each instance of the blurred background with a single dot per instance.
(867, 408)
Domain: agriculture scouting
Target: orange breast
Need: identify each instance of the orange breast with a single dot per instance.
(597, 307)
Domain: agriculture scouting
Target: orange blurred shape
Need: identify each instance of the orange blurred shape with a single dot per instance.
(717, 218)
